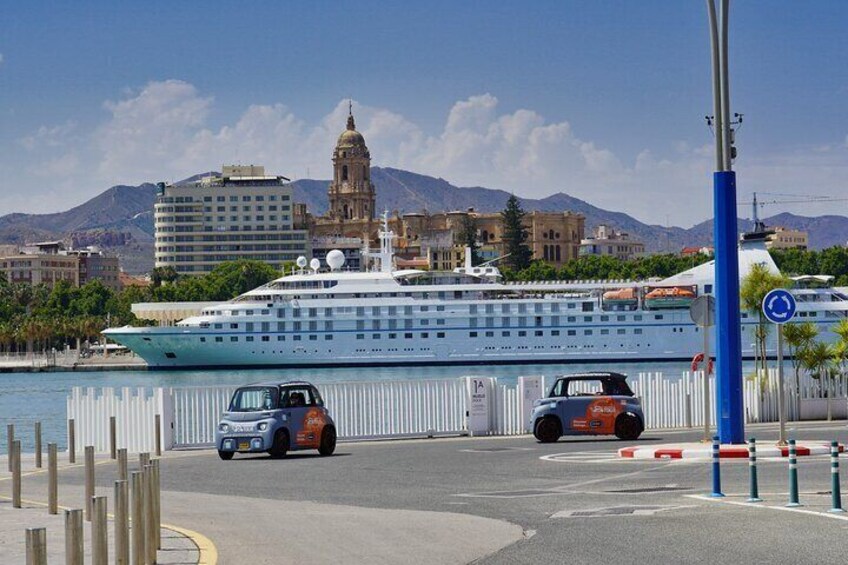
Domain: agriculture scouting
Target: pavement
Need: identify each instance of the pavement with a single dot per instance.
(499, 500)
(704, 450)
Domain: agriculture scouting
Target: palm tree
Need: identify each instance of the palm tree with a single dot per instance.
(759, 282)
(818, 360)
(798, 338)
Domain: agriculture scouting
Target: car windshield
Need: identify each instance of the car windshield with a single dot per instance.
(254, 399)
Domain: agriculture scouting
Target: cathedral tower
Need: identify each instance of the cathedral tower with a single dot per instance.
(352, 195)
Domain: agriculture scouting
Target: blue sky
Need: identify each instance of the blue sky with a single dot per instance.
(603, 100)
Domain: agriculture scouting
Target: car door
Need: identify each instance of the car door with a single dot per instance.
(305, 418)
(587, 409)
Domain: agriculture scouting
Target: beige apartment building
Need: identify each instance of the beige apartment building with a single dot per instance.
(241, 214)
(785, 238)
(34, 269)
(606, 240)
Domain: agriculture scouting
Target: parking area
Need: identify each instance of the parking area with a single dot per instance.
(503, 500)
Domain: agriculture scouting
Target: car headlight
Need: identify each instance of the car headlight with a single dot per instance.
(262, 426)
(223, 427)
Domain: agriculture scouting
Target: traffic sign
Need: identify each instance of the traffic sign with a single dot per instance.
(702, 311)
(779, 306)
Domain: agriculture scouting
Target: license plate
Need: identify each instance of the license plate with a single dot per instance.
(244, 445)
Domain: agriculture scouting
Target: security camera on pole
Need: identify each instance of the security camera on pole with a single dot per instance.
(778, 308)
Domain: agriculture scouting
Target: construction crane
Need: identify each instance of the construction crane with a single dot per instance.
(782, 198)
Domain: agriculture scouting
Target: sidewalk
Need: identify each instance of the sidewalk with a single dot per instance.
(178, 546)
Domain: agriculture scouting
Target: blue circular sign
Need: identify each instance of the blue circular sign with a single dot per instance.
(779, 306)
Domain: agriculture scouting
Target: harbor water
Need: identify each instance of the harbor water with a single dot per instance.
(26, 398)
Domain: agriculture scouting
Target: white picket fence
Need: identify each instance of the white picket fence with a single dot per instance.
(387, 409)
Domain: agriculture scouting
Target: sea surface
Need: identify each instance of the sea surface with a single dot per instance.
(29, 397)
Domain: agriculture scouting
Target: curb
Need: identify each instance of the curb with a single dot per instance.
(704, 451)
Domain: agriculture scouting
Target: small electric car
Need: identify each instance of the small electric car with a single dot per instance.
(275, 418)
(588, 403)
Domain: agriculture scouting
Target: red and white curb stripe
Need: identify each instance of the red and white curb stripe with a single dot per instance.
(704, 451)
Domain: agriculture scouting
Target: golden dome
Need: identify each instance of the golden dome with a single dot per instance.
(351, 137)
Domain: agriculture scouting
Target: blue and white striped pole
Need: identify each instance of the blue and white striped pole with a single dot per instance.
(716, 469)
(793, 475)
(754, 495)
(835, 492)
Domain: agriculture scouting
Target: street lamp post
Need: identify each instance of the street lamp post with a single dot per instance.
(729, 402)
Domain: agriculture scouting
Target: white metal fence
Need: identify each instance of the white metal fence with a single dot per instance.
(387, 409)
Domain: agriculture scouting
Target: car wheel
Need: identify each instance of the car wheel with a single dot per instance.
(548, 430)
(281, 445)
(328, 441)
(628, 427)
(225, 455)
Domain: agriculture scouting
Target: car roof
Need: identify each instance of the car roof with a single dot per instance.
(279, 383)
(594, 375)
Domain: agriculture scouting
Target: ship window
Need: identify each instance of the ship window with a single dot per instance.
(505, 334)
(219, 326)
(264, 312)
(313, 326)
(621, 318)
(248, 327)
(266, 338)
(425, 335)
(360, 311)
(407, 336)
(587, 332)
(375, 336)
(219, 339)
(587, 318)
(296, 313)
(249, 338)
(572, 332)
(522, 334)
(637, 318)
(604, 332)
(281, 313)
(266, 327)
(539, 333)
(202, 340)
(440, 322)
(621, 331)
(171, 355)
(296, 338)
(407, 310)
(233, 326)
(658, 316)
(440, 334)
(313, 312)
(392, 336)
(249, 313)
(588, 306)
(425, 322)
(505, 322)
(472, 334)
(296, 326)
(538, 320)
(637, 331)
(572, 319)
(505, 308)
(281, 338)
(328, 337)
(328, 326)
(440, 308)
(360, 336)
(233, 338)
(537, 307)
(313, 338)
(555, 333)
(328, 312)
(375, 324)
(360, 324)
(425, 308)
(572, 305)
(708, 289)
(605, 318)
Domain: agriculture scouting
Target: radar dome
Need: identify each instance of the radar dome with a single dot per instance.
(315, 264)
(335, 259)
(301, 261)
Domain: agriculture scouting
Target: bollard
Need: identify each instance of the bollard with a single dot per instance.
(10, 438)
(688, 410)
(122, 524)
(74, 539)
(72, 442)
(157, 434)
(143, 460)
(36, 546)
(113, 438)
(139, 554)
(38, 445)
(716, 470)
(99, 533)
(15, 459)
(122, 464)
(754, 495)
(89, 480)
(835, 492)
(793, 475)
(149, 518)
(52, 480)
(157, 504)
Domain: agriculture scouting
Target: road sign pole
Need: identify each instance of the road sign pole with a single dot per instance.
(781, 399)
(707, 417)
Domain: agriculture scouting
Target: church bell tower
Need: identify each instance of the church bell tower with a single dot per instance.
(352, 195)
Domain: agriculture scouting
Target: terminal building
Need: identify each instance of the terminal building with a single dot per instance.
(241, 214)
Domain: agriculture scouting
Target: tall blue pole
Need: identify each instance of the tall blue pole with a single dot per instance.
(729, 406)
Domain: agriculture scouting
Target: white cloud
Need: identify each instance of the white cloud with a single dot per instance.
(162, 132)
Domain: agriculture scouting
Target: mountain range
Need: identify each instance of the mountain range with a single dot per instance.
(120, 219)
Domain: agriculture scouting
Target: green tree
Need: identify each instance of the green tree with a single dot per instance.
(759, 282)
(518, 254)
(467, 237)
(798, 338)
(233, 278)
(161, 275)
(818, 360)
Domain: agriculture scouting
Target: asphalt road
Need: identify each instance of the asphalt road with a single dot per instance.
(575, 501)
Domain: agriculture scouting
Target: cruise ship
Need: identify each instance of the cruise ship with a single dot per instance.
(323, 315)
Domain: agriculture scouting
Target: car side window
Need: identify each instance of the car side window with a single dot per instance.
(318, 400)
(559, 388)
(584, 387)
(296, 397)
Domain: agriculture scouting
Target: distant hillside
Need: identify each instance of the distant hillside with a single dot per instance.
(121, 218)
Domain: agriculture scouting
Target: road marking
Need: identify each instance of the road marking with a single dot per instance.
(766, 506)
(617, 511)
